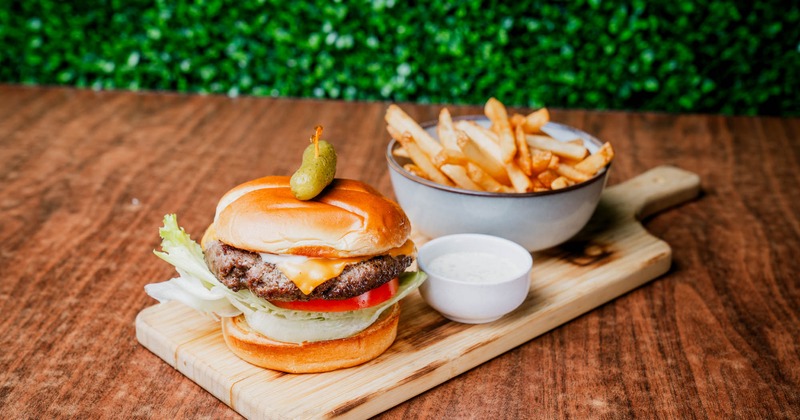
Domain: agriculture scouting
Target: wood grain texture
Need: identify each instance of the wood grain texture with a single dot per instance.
(85, 178)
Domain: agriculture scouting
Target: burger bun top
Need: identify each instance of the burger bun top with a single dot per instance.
(348, 219)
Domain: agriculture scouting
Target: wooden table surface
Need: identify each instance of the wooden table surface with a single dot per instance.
(86, 177)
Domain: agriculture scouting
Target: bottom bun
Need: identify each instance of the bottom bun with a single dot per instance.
(320, 356)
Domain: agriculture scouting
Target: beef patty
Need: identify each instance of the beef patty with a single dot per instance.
(239, 269)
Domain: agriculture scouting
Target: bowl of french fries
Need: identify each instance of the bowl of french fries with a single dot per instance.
(520, 177)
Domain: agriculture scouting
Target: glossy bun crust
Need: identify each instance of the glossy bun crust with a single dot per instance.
(321, 356)
(348, 219)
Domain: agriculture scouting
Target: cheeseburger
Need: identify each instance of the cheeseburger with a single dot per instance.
(298, 285)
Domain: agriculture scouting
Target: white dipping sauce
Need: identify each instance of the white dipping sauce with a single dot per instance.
(474, 267)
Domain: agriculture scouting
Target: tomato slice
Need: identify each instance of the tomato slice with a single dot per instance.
(368, 299)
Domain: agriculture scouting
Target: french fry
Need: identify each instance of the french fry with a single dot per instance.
(480, 137)
(415, 170)
(567, 161)
(459, 175)
(495, 131)
(397, 135)
(538, 186)
(523, 157)
(489, 164)
(445, 156)
(473, 156)
(422, 160)
(400, 152)
(547, 177)
(560, 148)
(497, 114)
(540, 160)
(520, 181)
(485, 180)
(517, 120)
(400, 121)
(592, 163)
(535, 120)
(554, 162)
(489, 133)
(451, 157)
(572, 173)
(560, 182)
(446, 131)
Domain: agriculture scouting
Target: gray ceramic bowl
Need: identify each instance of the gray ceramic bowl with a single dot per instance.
(534, 220)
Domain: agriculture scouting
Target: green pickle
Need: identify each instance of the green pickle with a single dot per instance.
(317, 170)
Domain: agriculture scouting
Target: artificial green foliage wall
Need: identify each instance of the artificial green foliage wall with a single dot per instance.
(736, 57)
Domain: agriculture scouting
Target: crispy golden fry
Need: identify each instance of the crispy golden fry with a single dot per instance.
(535, 120)
(538, 186)
(451, 157)
(400, 152)
(485, 180)
(487, 133)
(520, 181)
(572, 173)
(459, 175)
(593, 163)
(517, 120)
(561, 182)
(422, 160)
(397, 135)
(540, 160)
(444, 155)
(495, 131)
(554, 162)
(491, 134)
(400, 121)
(523, 157)
(560, 148)
(415, 170)
(446, 131)
(497, 114)
(472, 156)
(480, 136)
(566, 161)
(474, 153)
(547, 177)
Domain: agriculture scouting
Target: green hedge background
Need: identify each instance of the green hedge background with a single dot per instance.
(731, 57)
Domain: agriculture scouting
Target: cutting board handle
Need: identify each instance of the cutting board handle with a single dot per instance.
(654, 191)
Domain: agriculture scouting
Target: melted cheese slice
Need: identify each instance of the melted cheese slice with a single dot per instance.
(308, 273)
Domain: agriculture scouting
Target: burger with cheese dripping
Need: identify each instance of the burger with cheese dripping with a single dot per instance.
(299, 285)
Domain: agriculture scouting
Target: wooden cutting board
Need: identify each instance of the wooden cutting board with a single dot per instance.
(611, 256)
